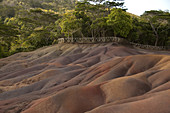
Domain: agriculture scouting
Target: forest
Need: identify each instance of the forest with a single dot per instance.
(26, 25)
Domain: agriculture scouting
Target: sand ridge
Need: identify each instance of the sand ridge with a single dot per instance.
(91, 78)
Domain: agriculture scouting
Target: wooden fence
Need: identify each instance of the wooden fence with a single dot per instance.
(110, 39)
(150, 47)
(90, 40)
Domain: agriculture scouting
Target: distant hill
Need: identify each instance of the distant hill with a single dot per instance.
(45, 4)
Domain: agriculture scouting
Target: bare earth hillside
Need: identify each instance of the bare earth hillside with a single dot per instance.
(86, 78)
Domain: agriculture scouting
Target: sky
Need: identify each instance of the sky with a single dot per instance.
(138, 7)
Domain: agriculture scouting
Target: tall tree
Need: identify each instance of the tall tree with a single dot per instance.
(99, 27)
(99, 8)
(120, 21)
(70, 24)
(159, 22)
(85, 22)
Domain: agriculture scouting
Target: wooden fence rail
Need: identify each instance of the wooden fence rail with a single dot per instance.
(90, 40)
(110, 39)
(150, 47)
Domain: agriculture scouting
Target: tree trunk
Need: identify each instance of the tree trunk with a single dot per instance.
(114, 34)
(155, 32)
(92, 33)
(156, 42)
(72, 38)
(82, 34)
(68, 35)
(104, 33)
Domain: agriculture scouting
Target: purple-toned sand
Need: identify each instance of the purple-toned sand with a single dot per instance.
(86, 78)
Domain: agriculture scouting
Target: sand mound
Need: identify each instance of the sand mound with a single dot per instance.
(92, 78)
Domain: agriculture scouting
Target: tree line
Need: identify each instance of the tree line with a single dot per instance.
(25, 26)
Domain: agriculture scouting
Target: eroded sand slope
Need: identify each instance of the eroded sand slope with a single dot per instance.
(91, 78)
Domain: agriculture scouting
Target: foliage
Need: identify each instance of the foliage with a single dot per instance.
(120, 22)
(99, 27)
(159, 21)
(8, 33)
(28, 30)
(6, 11)
(85, 22)
(26, 25)
(70, 24)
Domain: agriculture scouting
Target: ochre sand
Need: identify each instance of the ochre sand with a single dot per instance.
(91, 78)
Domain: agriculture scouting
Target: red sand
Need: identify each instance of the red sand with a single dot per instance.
(91, 78)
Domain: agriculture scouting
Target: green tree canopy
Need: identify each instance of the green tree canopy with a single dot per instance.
(70, 24)
(99, 27)
(120, 21)
(159, 22)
